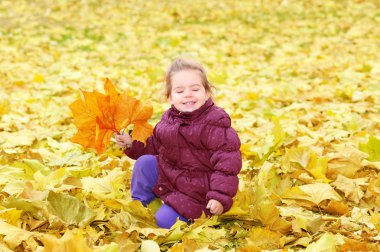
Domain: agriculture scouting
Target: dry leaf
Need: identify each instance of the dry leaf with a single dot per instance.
(337, 207)
(351, 187)
(315, 193)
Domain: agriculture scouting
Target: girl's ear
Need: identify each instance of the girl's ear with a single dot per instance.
(170, 100)
(208, 94)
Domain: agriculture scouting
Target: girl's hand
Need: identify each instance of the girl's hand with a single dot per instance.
(215, 207)
(123, 140)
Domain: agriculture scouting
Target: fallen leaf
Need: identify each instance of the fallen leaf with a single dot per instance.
(315, 193)
(72, 240)
(10, 215)
(14, 236)
(149, 246)
(326, 243)
(351, 187)
(262, 239)
(187, 245)
(337, 207)
(346, 162)
(298, 155)
(372, 147)
(69, 209)
(318, 167)
(353, 245)
(106, 187)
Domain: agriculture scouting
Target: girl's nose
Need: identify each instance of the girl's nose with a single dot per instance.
(188, 93)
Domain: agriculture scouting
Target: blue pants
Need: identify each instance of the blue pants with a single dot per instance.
(144, 178)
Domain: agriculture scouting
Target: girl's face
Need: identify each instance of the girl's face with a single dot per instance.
(188, 92)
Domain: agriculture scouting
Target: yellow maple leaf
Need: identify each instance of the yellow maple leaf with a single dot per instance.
(149, 246)
(352, 245)
(318, 167)
(14, 236)
(10, 215)
(346, 162)
(337, 207)
(351, 187)
(70, 241)
(185, 246)
(315, 193)
(326, 243)
(307, 159)
(261, 239)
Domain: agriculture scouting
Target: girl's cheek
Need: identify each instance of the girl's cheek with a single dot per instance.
(170, 100)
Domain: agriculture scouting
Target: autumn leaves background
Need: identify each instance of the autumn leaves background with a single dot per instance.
(299, 78)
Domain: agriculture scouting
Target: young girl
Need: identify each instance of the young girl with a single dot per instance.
(192, 159)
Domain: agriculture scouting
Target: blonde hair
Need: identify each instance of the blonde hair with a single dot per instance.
(185, 64)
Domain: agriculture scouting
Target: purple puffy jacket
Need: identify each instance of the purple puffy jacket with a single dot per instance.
(198, 157)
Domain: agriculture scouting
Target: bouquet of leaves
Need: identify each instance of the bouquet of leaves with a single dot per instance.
(98, 116)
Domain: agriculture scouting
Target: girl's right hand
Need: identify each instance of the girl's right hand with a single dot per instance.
(215, 207)
(123, 139)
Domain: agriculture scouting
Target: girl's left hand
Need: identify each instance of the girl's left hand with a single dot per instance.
(123, 140)
(215, 207)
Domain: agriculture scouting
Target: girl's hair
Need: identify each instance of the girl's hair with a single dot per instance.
(185, 64)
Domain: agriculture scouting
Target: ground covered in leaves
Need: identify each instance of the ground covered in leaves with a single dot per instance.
(300, 79)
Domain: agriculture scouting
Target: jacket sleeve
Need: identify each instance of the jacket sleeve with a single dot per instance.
(224, 144)
(139, 148)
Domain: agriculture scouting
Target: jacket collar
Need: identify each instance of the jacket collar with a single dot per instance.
(175, 113)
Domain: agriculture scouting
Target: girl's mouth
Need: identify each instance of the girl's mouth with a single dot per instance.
(188, 103)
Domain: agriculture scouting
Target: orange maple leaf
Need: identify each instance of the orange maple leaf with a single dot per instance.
(98, 116)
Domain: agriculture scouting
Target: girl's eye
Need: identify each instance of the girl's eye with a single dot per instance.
(195, 90)
(179, 92)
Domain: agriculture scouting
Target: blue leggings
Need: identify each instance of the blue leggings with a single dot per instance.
(144, 178)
